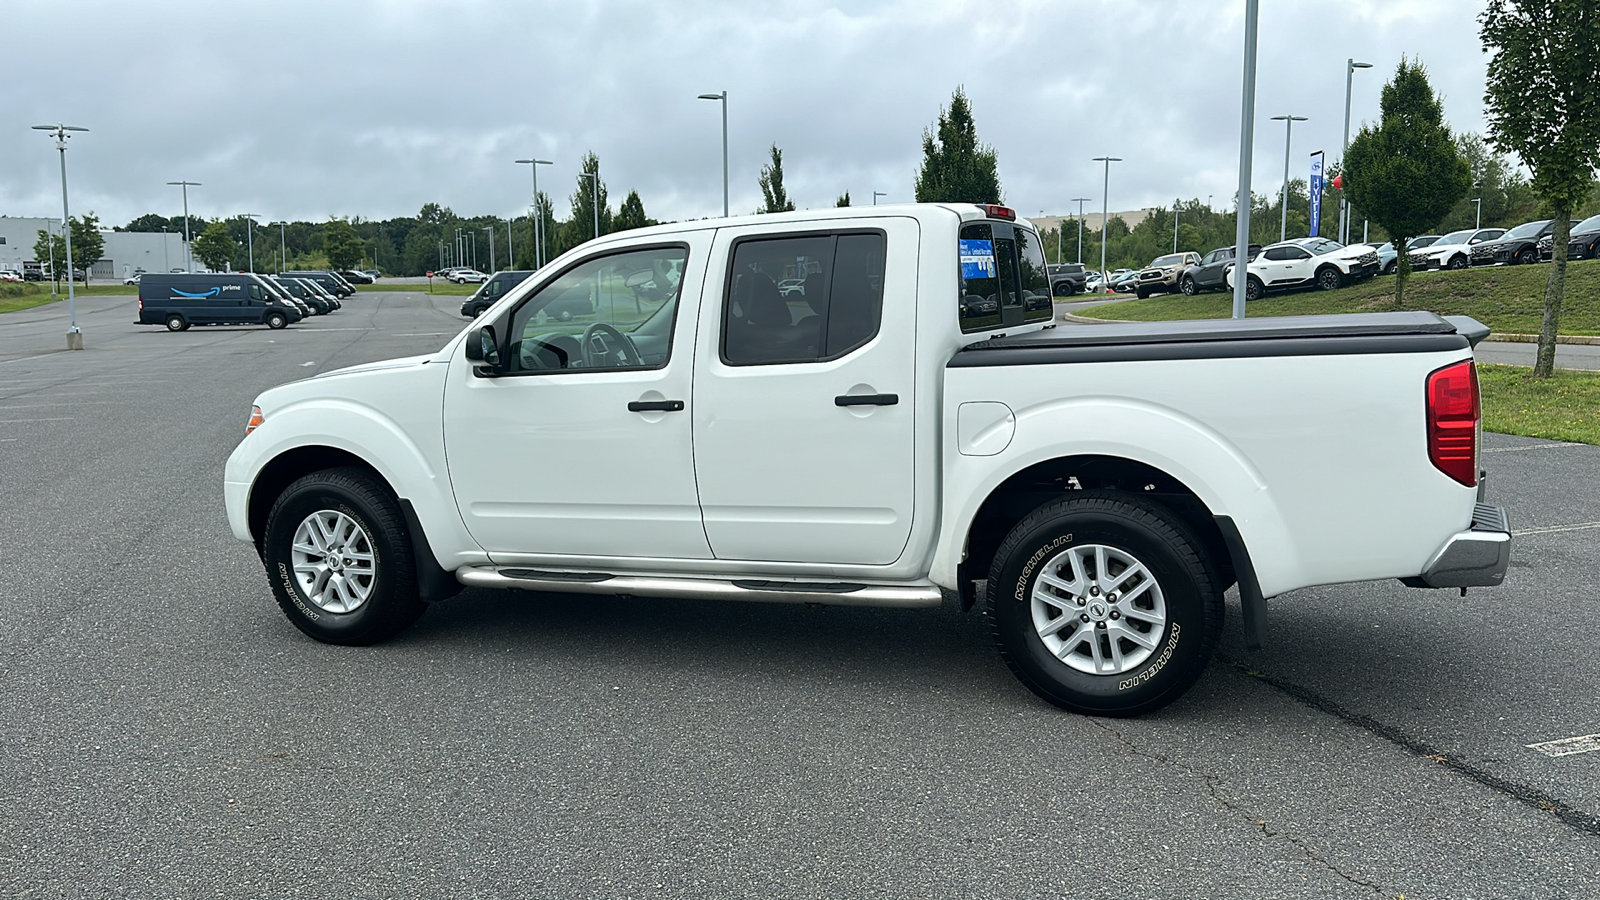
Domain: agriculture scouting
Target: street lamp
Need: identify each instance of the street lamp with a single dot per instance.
(1175, 202)
(876, 195)
(1080, 201)
(1105, 208)
(249, 237)
(1241, 209)
(538, 218)
(724, 98)
(62, 132)
(1350, 67)
(511, 247)
(1479, 202)
(1288, 129)
(492, 266)
(188, 254)
(283, 248)
(594, 184)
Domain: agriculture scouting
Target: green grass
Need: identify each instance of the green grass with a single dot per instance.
(26, 296)
(440, 286)
(1563, 407)
(1506, 298)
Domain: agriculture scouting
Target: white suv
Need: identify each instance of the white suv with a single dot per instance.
(1305, 263)
(462, 276)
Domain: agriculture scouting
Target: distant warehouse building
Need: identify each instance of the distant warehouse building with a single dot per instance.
(125, 252)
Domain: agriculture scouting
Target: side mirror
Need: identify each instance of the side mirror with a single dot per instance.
(482, 347)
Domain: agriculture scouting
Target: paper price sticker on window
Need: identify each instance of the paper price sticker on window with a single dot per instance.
(977, 259)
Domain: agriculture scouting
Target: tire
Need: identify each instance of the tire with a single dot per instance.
(1457, 262)
(1329, 278)
(1062, 289)
(276, 320)
(1528, 256)
(372, 605)
(1253, 288)
(1392, 267)
(176, 322)
(1141, 292)
(1178, 617)
(1189, 287)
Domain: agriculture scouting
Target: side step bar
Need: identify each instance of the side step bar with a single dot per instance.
(759, 591)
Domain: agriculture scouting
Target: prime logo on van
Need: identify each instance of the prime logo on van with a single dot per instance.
(211, 293)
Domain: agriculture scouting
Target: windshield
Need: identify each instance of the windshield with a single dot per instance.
(1527, 229)
(1590, 224)
(1170, 259)
(1455, 237)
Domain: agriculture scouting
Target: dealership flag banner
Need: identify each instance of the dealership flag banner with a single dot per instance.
(1316, 191)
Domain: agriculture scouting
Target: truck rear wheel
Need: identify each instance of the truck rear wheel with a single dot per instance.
(176, 322)
(1104, 604)
(338, 556)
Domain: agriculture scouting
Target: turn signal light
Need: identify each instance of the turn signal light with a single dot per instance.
(1454, 412)
(256, 418)
(998, 212)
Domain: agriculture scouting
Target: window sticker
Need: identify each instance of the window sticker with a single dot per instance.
(977, 259)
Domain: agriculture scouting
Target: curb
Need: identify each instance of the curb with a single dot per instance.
(1534, 338)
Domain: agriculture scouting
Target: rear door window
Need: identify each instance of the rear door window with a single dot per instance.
(802, 299)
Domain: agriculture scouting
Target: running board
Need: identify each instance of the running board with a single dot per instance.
(759, 591)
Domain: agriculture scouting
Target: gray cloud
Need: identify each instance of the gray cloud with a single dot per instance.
(306, 109)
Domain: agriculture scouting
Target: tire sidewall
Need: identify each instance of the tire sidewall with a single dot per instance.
(276, 321)
(1254, 289)
(1328, 279)
(1186, 643)
(390, 591)
(178, 319)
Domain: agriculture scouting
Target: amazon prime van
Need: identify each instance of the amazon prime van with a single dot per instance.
(178, 301)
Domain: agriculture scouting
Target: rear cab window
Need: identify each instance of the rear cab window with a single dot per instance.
(1004, 280)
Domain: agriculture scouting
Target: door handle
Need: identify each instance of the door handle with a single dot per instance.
(655, 406)
(866, 400)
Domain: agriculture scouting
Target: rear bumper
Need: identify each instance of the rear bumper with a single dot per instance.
(1477, 557)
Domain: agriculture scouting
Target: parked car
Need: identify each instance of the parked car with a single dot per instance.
(1306, 263)
(789, 286)
(1121, 280)
(373, 274)
(1389, 259)
(686, 448)
(1094, 282)
(1519, 246)
(1454, 250)
(462, 276)
(1161, 276)
(355, 277)
(11, 277)
(323, 292)
(1583, 243)
(1210, 274)
(492, 290)
(179, 301)
(299, 290)
(330, 282)
(1067, 279)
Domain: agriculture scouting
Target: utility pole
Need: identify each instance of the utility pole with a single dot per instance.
(1288, 129)
(723, 96)
(62, 132)
(188, 253)
(1105, 207)
(492, 267)
(1350, 67)
(250, 238)
(1080, 201)
(1247, 134)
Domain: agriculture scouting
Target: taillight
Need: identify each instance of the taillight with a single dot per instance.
(1453, 414)
(994, 211)
(256, 418)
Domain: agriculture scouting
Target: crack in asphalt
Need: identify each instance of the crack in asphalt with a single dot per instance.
(1578, 819)
(1213, 787)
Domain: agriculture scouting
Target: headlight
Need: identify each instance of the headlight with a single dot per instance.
(256, 418)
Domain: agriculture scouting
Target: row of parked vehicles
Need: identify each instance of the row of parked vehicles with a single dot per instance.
(182, 300)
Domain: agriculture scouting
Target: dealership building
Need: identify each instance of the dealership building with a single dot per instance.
(125, 252)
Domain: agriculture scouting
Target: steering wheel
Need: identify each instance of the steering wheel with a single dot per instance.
(604, 346)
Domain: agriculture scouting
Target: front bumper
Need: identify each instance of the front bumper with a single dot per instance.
(1477, 557)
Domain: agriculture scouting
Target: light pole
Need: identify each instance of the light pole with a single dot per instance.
(511, 247)
(1479, 202)
(1105, 208)
(62, 132)
(283, 248)
(1247, 136)
(1080, 201)
(876, 195)
(1288, 129)
(1350, 67)
(492, 266)
(1175, 202)
(538, 220)
(594, 185)
(249, 237)
(188, 254)
(55, 276)
(724, 98)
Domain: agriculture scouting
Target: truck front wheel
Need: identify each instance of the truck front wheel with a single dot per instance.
(338, 556)
(1104, 604)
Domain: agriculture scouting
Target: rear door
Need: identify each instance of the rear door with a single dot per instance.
(804, 403)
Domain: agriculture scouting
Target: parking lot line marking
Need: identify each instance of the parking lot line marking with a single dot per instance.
(57, 419)
(427, 333)
(1583, 743)
(1581, 526)
(1534, 447)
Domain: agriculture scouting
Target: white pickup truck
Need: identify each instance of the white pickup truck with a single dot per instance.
(904, 419)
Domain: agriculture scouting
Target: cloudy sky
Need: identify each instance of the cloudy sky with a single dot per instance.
(304, 110)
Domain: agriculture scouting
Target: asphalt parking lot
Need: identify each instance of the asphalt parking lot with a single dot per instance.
(167, 733)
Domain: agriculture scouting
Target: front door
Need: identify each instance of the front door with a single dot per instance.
(804, 394)
(582, 445)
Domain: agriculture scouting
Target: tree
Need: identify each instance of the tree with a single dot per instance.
(844, 199)
(631, 214)
(153, 222)
(955, 167)
(1541, 105)
(582, 225)
(342, 245)
(88, 246)
(774, 198)
(1406, 174)
(51, 248)
(215, 247)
